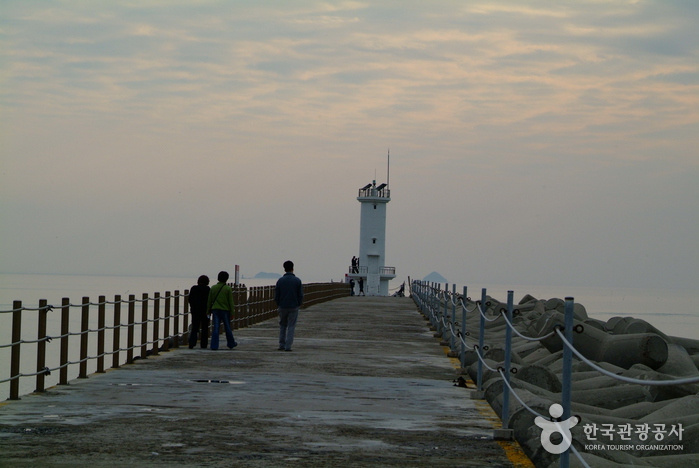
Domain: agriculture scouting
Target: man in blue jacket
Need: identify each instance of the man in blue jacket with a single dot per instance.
(288, 294)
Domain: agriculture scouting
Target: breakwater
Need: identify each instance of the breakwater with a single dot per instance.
(72, 339)
(573, 390)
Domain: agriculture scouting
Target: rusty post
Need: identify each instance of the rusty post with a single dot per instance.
(16, 348)
(65, 330)
(252, 305)
(176, 332)
(100, 333)
(129, 335)
(156, 322)
(264, 306)
(185, 311)
(166, 331)
(242, 305)
(240, 299)
(116, 341)
(41, 346)
(236, 308)
(144, 326)
(248, 306)
(258, 306)
(84, 326)
(270, 302)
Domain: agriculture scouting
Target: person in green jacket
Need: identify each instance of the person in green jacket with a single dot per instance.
(220, 306)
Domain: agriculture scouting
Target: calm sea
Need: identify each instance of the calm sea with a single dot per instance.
(31, 288)
(673, 311)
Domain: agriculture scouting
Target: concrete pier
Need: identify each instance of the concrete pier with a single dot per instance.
(366, 384)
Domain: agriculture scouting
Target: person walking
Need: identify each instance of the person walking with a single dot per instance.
(288, 294)
(361, 287)
(198, 299)
(220, 306)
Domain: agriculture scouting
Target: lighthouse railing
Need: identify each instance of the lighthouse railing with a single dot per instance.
(372, 192)
(364, 270)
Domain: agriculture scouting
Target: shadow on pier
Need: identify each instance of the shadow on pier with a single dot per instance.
(367, 384)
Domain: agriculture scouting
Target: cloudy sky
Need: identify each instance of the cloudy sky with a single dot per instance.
(531, 142)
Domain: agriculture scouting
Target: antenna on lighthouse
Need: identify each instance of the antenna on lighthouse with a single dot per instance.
(388, 169)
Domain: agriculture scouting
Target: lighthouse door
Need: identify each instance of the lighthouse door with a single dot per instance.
(373, 278)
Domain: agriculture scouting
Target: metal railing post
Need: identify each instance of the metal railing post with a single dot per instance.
(65, 330)
(130, 331)
(445, 314)
(430, 301)
(144, 326)
(100, 333)
(116, 345)
(236, 306)
(508, 350)
(438, 308)
(427, 299)
(481, 332)
(176, 332)
(156, 323)
(463, 329)
(453, 317)
(566, 384)
(41, 347)
(185, 315)
(166, 331)
(84, 327)
(16, 349)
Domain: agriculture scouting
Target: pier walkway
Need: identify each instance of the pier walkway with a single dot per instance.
(366, 384)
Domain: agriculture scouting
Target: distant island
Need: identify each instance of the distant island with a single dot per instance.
(435, 277)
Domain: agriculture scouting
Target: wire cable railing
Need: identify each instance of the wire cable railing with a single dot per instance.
(163, 323)
(435, 304)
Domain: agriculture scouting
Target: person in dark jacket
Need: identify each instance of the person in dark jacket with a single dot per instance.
(288, 294)
(198, 296)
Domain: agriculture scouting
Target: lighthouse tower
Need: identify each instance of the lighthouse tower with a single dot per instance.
(372, 240)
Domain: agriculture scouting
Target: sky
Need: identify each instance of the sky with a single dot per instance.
(531, 142)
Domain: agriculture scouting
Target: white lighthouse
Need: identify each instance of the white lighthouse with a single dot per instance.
(372, 240)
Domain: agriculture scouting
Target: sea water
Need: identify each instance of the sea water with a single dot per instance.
(673, 311)
(30, 289)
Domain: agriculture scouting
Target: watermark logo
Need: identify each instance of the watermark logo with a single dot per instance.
(627, 437)
(551, 427)
(638, 437)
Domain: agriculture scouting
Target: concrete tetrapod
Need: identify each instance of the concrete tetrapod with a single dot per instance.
(621, 350)
(624, 346)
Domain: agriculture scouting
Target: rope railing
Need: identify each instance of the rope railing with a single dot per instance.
(50, 307)
(528, 338)
(482, 360)
(434, 302)
(162, 324)
(537, 414)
